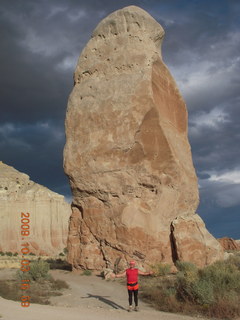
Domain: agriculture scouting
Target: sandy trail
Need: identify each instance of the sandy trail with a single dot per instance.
(89, 298)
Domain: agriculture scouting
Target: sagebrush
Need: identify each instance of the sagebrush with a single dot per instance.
(213, 291)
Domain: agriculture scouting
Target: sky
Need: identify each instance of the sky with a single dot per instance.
(41, 41)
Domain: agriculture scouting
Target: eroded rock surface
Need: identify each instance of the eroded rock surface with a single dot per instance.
(127, 153)
(49, 214)
(192, 241)
(229, 244)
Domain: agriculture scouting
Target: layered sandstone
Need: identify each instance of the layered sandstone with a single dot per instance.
(49, 214)
(229, 244)
(127, 153)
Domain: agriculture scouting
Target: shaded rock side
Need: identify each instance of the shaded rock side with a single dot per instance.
(49, 214)
(127, 153)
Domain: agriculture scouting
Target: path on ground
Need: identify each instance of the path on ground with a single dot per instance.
(89, 298)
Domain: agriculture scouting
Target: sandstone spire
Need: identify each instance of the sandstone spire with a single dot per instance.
(127, 153)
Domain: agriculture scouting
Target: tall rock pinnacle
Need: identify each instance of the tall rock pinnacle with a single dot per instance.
(127, 153)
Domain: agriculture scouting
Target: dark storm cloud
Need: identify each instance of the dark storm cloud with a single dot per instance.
(40, 45)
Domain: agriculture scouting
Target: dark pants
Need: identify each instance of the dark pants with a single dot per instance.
(130, 295)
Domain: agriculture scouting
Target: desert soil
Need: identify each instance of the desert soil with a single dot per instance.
(89, 298)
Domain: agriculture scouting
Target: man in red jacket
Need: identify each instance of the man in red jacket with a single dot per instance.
(132, 283)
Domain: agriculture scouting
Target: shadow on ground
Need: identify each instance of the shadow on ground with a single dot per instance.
(104, 300)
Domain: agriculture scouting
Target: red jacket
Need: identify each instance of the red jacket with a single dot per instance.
(132, 275)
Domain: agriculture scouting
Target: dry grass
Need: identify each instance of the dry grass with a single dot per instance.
(213, 292)
(42, 285)
(39, 291)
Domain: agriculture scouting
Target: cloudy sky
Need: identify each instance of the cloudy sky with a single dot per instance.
(40, 44)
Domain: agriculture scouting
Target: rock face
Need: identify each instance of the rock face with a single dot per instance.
(127, 153)
(229, 244)
(49, 214)
(192, 241)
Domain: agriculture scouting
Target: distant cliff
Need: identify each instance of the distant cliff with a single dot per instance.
(49, 214)
(229, 244)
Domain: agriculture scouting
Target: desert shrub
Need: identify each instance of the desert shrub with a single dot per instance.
(61, 254)
(59, 284)
(185, 266)
(39, 291)
(161, 269)
(224, 277)
(2, 253)
(213, 291)
(194, 289)
(65, 250)
(38, 271)
(87, 272)
(32, 254)
(15, 254)
(9, 290)
(235, 259)
(9, 254)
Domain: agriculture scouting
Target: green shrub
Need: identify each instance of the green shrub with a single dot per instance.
(213, 291)
(65, 250)
(15, 254)
(61, 254)
(2, 253)
(9, 254)
(38, 271)
(32, 254)
(185, 266)
(161, 269)
(87, 272)
(235, 259)
(224, 276)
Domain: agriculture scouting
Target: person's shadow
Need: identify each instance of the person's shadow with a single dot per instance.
(103, 299)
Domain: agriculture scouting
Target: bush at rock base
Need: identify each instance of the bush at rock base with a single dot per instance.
(161, 269)
(213, 291)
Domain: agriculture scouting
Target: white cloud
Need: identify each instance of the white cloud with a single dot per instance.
(78, 15)
(10, 136)
(41, 43)
(222, 188)
(213, 119)
(230, 177)
(68, 63)
(54, 10)
(7, 128)
(228, 196)
(210, 76)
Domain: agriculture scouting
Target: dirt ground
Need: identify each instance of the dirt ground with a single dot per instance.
(89, 298)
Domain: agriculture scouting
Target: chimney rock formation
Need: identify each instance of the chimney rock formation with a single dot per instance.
(127, 153)
(49, 214)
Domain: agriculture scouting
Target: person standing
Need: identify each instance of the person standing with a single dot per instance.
(132, 283)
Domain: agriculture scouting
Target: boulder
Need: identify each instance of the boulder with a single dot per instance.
(48, 215)
(127, 154)
(192, 242)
